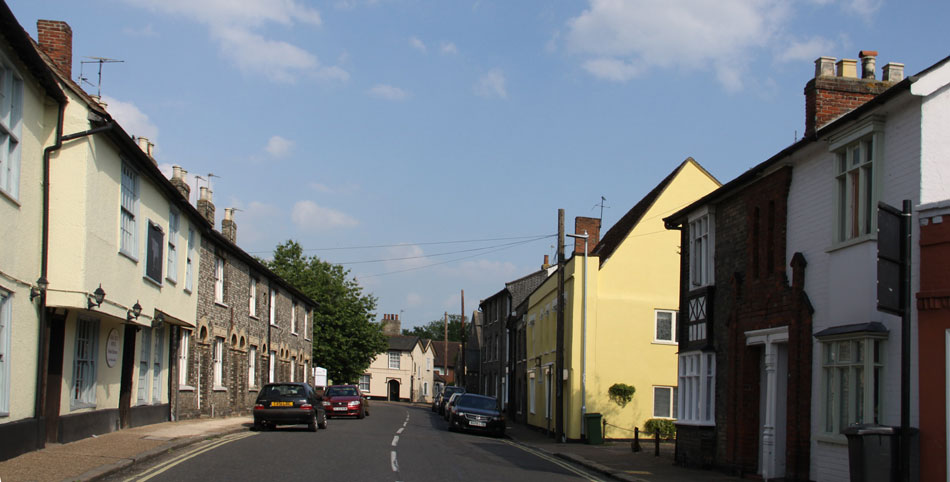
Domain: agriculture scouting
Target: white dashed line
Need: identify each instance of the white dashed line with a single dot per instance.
(395, 440)
(400, 430)
(392, 461)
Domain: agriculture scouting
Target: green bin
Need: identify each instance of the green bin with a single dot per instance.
(592, 427)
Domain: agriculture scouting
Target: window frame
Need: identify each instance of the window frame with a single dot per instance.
(6, 325)
(702, 261)
(158, 352)
(190, 261)
(397, 360)
(272, 366)
(368, 378)
(293, 317)
(869, 131)
(252, 297)
(143, 395)
(11, 128)
(833, 408)
(83, 393)
(252, 366)
(219, 280)
(154, 261)
(656, 327)
(699, 377)
(218, 367)
(129, 211)
(672, 402)
(174, 227)
(272, 306)
(184, 351)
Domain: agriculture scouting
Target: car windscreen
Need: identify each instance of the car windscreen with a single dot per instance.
(477, 403)
(341, 392)
(284, 391)
(450, 390)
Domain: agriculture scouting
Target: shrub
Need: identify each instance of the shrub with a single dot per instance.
(621, 393)
(665, 428)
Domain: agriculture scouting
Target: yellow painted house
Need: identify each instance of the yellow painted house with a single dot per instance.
(632, 299)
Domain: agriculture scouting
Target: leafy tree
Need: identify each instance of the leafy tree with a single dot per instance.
(345, 339)
(435, 329)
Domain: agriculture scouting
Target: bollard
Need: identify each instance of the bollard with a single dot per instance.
(656, 443)
(635, 445)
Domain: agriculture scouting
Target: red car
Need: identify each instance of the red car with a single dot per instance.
(345, 400)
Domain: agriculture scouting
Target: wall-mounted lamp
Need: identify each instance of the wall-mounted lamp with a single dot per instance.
(39, 288)
(96, 298)
(158, 319)
(134, 312)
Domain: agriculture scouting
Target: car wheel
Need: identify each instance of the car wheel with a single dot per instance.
(361, 414)
(313, 422)
(323, 424)
(258, 426)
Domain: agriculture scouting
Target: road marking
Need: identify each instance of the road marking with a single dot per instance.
(392, 461)
(555, 461)
(158, 469)
(395, 440)
(400, 430)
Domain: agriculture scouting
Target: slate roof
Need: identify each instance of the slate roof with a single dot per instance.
(612, 239)
(402, 342)
(439, 347)
(521, 288)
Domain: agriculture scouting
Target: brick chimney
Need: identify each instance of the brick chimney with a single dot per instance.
(592, 226)
(391, 324)
(205, 206)
(837, 90)
(547, 263)
(178, 180)
(56, 39)
(228, 226)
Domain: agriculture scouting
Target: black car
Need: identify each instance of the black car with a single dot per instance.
(289, 404)
(438, 405)
(478, 413)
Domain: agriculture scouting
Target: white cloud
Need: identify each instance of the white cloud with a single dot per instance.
(641, 35)
(417, 44)
(308, 215)
(133, 120)
(278, 146)
(405, 257)
(146, 31)
(805, 50)
(449, 48)
(388, 92)
(492, 84)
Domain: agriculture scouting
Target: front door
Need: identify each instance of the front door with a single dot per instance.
(54, 375)
(773, 390)
(394, 390)
(125, 383)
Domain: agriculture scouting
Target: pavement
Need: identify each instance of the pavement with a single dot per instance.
(97, 457)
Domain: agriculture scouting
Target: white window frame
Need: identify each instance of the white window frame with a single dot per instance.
(85, 360)
(174, 226)
(157, 357)
(145, 366)
(252, 366)
(128, 212)
(293, 368)
(857, 210)
(293, 317)
(307, 327)
(671, 409)
(252, 298)
(272, 366)
(832, 368)
(6, 323)
(429, 364)
(184, 350)
(364, 383)
(656, 327)
(218, 280)
(11, 122)
(697, 388)
(190, 261)
(218, 363)
(425, 389)
(272, 307)
(394, 357)
(702, 242)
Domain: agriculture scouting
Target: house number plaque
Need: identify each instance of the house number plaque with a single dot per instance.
(112, 348)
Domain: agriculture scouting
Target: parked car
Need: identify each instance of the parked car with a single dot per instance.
(477, 412)
(345, 401)
(448, 404)
(289, 404)
(438, 404)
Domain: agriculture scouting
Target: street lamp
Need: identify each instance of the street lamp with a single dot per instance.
(585, 237)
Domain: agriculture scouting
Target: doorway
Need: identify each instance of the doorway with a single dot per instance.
(394, 390)
(773, 399)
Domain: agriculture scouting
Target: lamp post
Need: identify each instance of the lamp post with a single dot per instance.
(585, 237)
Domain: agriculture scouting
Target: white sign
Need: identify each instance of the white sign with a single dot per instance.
(319, 377)
(112, 348)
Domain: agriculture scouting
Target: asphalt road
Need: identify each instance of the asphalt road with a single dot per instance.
(398, 442)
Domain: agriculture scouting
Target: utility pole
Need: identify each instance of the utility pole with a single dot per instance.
(461, 356)
(445, 360)
(559, 364)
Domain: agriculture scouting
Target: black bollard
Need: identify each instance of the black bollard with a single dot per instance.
(656, 443)
(635, 445)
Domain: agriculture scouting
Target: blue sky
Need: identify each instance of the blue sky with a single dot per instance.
(404, 123)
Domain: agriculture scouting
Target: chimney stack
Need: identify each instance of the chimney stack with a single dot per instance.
(835, 92)
(56, 39)
(391, 324)
(178, 180)
(146, 147)
(547, 263)
(228, 226)
(205, 206)
(592, 226)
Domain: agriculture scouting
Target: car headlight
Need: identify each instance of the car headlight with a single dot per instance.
(353, 403)
(326, 404)
(460, 414)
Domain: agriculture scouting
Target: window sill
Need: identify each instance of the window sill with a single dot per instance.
(219, 389)
(254, 317)
(292, 333)
(173, 282)
(187, 290)
(832, 439)
(129, 255)
(218, 303)
(12, 199)
(186, 388)
(153, 281)
(851, 242)
(665, 342)
(253, 389)
(695, 423)
(81, 405)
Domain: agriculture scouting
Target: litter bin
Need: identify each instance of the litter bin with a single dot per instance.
(873, 452)
(592, 427)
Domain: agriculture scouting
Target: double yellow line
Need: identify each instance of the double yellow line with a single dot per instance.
(553, 460)
(158, 469)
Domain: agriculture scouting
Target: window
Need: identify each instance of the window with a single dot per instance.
(697, 387)
(11, 113)
(252, 366)
(183, 351)
(364, 383)
(428, 364)
(189, 262)
(252, 298)
(174, 220)
(157, 364)
(293, 317)
(84, 364)
(272, 362)
(854, 188)
(272, 306)
(425, 389)
(665, 326)
(664, 402)
(531, 393)
(852, 382)
(547, 393)
(307, 327)
(394, 360)
(700, 251)
(145, 363)
(5, 322)
(128, 211)
(218, 363)
(293, 366)
(154, 254)
(219, 279)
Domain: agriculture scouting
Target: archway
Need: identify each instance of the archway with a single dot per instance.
(394, 390)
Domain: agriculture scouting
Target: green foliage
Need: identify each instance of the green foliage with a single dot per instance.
(435, 329)
(664, 427)
(621, 393)
(345, 339)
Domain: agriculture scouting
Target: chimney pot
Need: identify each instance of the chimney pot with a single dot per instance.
(848, 68)
(825, 67)
(205, 206)
(178, 180)
(868, 62)
(228, 226)
(893, 72)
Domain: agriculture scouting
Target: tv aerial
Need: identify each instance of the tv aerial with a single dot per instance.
(95, 60)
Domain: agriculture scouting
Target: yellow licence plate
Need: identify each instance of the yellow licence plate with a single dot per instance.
(282, 404)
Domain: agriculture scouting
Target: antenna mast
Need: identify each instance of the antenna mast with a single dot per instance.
(100, 61)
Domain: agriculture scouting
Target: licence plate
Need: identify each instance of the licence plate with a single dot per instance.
(282, 404)
(477, 424)
(339, 409)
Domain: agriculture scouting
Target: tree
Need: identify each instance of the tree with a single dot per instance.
(435, 329)
(345, 339)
